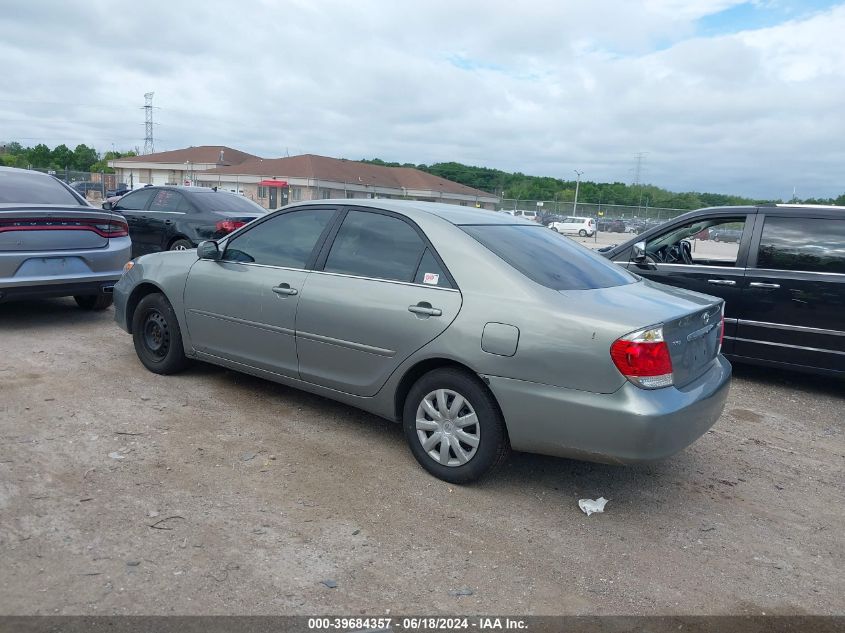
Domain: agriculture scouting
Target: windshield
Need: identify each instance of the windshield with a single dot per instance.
(24, 187)
(222, 202)
(549, 258)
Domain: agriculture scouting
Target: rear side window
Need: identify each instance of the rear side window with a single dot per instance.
(25, 187)
(221, 201)
(377, 246)
(166, 200)
(286, 240)
(430, 272)
(805, 244)
(550, 259)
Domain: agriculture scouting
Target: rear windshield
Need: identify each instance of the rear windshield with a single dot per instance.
(23, 187)
(549, 258)
(222, 202)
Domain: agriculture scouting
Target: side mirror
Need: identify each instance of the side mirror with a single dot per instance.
(639, 253)
(107, 206)
(208, 250)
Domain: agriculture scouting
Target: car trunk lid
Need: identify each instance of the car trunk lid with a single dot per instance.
(691, 321)
(40, 229)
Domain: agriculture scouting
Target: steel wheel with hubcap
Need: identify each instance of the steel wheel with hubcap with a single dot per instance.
(448, 428)
(453, 426)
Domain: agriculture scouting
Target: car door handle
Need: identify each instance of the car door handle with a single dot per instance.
(425, 309)
(721, 282)
(285, 290)
(759, 284)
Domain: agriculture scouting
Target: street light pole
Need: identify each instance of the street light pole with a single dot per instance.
(577, 185)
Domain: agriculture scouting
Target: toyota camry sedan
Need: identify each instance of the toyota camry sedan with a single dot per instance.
(479, 332)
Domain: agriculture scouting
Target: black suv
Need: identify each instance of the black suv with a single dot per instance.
(179, 218)
(783, 279)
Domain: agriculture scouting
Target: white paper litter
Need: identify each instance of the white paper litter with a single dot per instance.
(116, 455)
(592, 505)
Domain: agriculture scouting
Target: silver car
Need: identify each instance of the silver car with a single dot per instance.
(478, 331)
(54, 244)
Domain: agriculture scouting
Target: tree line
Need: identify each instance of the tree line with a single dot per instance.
(519, 186)
(61, 157)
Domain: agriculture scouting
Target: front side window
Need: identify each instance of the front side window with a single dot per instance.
(708, 241)
(548, 258)
(286, 240)
(811, 245)
(136, 200)
(377, 246)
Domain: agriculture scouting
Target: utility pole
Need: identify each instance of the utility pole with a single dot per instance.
(577, 185)
(148, 123)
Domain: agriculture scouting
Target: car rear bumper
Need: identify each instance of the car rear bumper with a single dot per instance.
(629, 426)
(42, 288)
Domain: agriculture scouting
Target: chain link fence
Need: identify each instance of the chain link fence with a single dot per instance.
(94, 185)
(589, 209)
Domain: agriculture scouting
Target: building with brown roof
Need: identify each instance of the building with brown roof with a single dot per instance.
(177, 167)
(278, 181)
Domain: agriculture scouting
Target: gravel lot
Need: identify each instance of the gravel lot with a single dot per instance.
(214, 492)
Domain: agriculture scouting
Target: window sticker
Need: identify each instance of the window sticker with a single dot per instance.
(431, 279)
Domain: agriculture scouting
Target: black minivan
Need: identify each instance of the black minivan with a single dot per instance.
(782, 279)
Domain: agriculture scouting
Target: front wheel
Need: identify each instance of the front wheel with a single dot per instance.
(93, 302)
(554, 229)
(157, 337)
(454, 427)
(181, 245)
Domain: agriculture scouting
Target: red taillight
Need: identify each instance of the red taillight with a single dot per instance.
(643, 358)
(227, 226)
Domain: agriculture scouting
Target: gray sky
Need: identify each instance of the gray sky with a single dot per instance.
(724, 96)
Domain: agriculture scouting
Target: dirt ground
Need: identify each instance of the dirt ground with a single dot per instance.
(123, 492)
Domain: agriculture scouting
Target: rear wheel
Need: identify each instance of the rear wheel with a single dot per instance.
(454, 427)
(181, 245)
(582, 233)
(93, 302)
(157, 337)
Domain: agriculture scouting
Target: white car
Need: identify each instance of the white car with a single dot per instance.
(519, 213)
(585, 227)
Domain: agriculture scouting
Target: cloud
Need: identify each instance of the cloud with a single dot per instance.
(541, 88)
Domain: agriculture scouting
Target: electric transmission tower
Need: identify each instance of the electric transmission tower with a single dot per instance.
(148, 121)
(638, 173)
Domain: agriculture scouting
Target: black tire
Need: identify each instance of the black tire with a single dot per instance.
(157, 337)
(493, 446)
(93, 302)
(182, 245)
(554, 229)
(582, 233)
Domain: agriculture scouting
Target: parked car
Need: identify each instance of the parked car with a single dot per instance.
(783, 278)
(583, 226)
(520, 213)
(82, 187)
(611, 225)
(178, 218)
(478, 331)
(121, 190)
(548, 218)
(725, 235)
(54, 244)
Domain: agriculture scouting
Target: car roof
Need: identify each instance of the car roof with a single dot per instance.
(414, 209)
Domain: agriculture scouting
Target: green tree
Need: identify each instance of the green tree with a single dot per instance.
(39, 156)
(62, 156)
(84, 157)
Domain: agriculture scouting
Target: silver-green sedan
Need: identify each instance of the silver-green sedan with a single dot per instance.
(478, 331)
